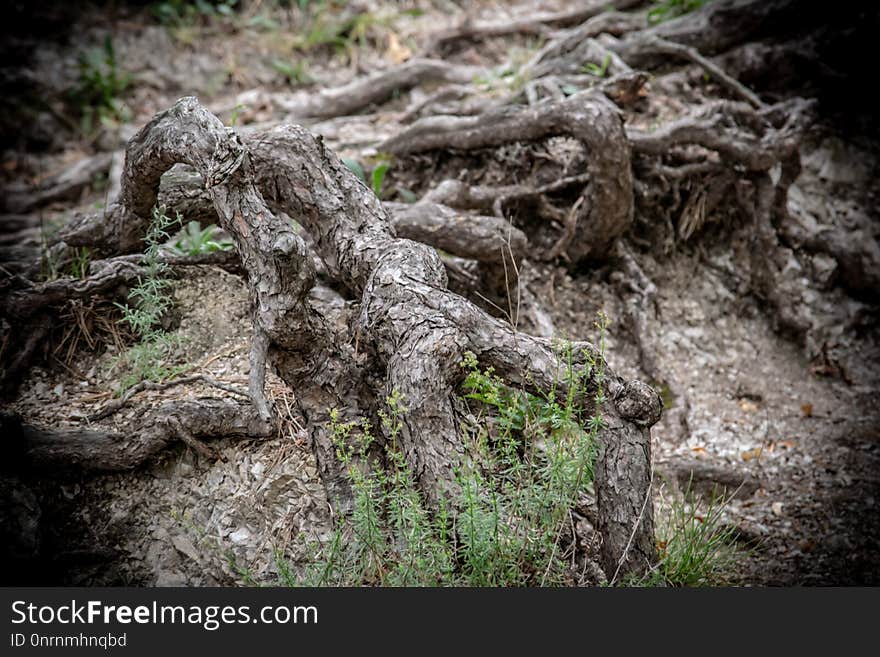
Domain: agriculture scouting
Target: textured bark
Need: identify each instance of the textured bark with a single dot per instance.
(408, 333)
(487, 239)
(494, 243)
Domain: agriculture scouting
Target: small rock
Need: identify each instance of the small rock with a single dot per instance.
(240, 535)
(185, 546)
(160, 534)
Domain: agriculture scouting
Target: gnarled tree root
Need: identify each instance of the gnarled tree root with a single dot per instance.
(588, 117)
(409, 333)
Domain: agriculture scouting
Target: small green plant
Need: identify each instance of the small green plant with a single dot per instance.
(181, 13)
(503, 81)
(295, 74)
(79, 264)
(99, 87)
(233, 119)
(594, 69)
(195, 240)
(532, 461)
(377, 177)
(669, 9)
(147, 303)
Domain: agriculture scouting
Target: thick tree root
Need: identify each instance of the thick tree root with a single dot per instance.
(101, 450)
(376, 88)
(589, 118)
(410, 333)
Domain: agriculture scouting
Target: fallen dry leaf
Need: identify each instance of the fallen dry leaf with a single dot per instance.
(807, 410)
(748, 406)
(752, 454)
(396, 51)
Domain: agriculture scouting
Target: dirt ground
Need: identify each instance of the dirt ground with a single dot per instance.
(790, 428)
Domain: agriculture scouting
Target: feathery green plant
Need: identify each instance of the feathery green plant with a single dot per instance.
(149, 300)
(696, 547)
(532, 462)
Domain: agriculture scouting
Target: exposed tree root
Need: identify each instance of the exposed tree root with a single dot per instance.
(408, 320)
(590, 118)
(410, 333)
(657, 46)
(117, 405)
(376, 88)
(102, 450)
(537, 24)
